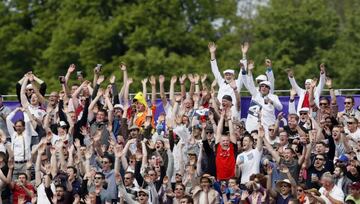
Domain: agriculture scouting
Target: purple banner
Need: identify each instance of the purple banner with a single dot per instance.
(245, 102)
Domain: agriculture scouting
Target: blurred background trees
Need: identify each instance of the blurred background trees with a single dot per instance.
(171, 37)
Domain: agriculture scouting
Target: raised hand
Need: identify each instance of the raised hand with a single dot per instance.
(268, 63)
(71, 68)
(212, 47)
(191, 78)
(322, 68)
(245, 47)
(161, 79)
(328, 82)
(290, 72)
(173, 79)
(203, 78)
(152, 80)
(144, 81)
(122, 66)
(112, 79)
(129, 81)
(182, 79)
(280, 116)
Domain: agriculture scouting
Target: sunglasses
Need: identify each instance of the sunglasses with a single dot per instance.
(323, 104)
(347, 103)
(127, 178)
(180, 189)
(300, 190)
(321, 159)
(350, 122)
(105, 162)
(98, 178)
(303, 113)
(271, 129)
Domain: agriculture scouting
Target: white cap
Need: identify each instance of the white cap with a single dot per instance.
(119, 106)
(261, 78)
(229, 71)
(305, 109)
(267, 83)
(62, 124)
(308, 81)
(29, 86)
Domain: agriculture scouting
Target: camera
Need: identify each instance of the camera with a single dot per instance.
(98, 67)
(62, 79)
(79, 73)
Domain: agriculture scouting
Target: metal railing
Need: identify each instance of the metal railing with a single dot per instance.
(338, 92)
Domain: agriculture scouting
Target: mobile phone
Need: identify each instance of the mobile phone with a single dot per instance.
(79, 73)
(62, 79)
(98, 67)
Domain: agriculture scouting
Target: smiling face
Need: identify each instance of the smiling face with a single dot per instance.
(228, 77)
(225, 142)
(348, 103)
(247, 143)
(285, 188)
(264, 89)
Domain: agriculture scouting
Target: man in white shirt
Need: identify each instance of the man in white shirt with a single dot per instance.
(304, 93)
(352, 131)
(262, 101)
(330, 193)
(224, 83)
(248, 162)
(350, 110)
(20, 134)
(4, 112)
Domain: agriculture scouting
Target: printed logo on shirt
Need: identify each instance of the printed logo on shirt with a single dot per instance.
(254, 108)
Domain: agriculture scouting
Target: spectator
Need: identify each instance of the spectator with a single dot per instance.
(330, 193)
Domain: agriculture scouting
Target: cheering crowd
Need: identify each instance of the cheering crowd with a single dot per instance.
(91, 143)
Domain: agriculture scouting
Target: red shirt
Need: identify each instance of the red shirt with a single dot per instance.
(306, 102)
(225, 162)
(19, 191)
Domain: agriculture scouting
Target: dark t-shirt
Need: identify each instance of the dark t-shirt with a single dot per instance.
(6, 192)
(312, 172)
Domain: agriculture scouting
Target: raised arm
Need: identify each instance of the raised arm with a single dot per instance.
(214, 67)
(273, 153)
(231, 127)
(153, 89)
(322, 80)
(24, 100)
(233, 85)
(292, 108)
(172, 89)
(293, 81)
(220, 127)
(270, 74)
(162, 90)
(182, 85)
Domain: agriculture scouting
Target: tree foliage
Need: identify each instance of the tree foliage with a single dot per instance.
(170, 37)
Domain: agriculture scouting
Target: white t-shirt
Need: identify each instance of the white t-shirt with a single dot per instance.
(42, 198)
(336, 193)
(249, 163)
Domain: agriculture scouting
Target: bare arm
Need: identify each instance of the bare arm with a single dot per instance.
(153, 90)
(162, 91)
(273, 153)
(220, 128)
(144, 88)
(182, 85)
(172, 89)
